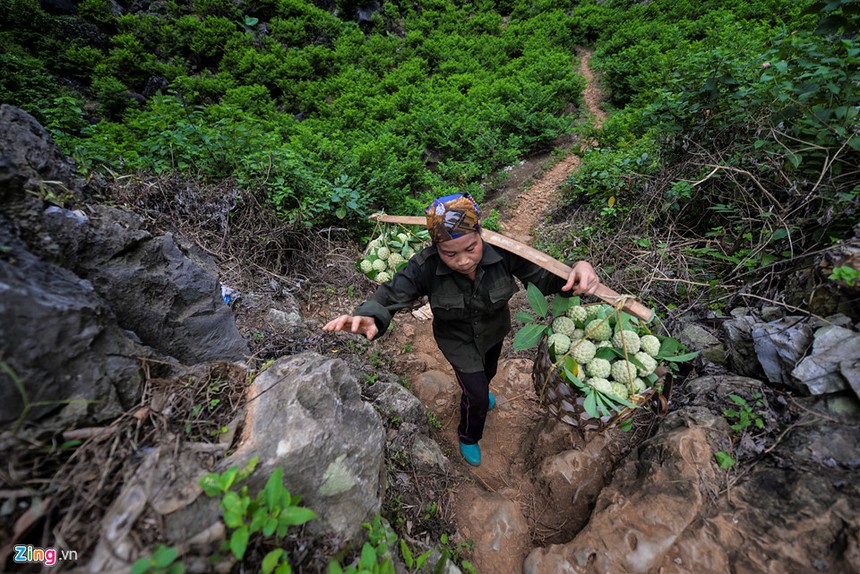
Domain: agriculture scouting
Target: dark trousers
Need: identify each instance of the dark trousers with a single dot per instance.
(475, 400)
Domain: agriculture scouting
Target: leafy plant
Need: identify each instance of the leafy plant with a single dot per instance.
(848, 275)
(746, 413)
(491, 221)
(433, 420)
(162, 561)
(413, 562)
(458, 553)
(724, 460)
(535, 329)
(375, 555)
(268, 515)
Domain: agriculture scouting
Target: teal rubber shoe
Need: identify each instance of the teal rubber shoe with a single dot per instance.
(472, 453)
(492, 402)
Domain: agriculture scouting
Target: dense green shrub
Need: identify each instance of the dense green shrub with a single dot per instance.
(96, 11)
(211, 36)
(80, 61)
(203, 88)
(298, 22)
(25, 81)
(226, 9)
(743, 134)
(127, 61)
(427, 96)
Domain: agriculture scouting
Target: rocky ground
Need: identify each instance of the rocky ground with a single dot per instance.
(117, 475)
(557, 500)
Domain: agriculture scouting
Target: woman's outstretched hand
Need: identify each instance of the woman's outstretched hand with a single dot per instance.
(354, 324)
(582, 279)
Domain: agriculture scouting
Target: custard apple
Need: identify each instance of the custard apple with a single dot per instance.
(620, 390)
(627, 341)
(383, 253)
(583, 351)
(647, 361)
(577, 313)
(379, 265)
(638, 386)
(394, 260)
(382, 277)
(650, 344)
(563, 325)
(602, 385)
(598, 330)
(599, 368)
(623, 371)
(366, 266)
(559, 343)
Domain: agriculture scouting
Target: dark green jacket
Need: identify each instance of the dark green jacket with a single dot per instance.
(468, 317)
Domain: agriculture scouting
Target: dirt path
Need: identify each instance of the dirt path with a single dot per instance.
(533, 203)
(502, 490)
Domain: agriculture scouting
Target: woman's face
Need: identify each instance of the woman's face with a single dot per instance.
(462, 254)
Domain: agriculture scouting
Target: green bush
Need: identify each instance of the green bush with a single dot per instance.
(128, 61)
(25, 82)
(253, 99)
(64, 118)
(431, 96)
(112, 95)
(747, 124)
(211, 34)
(216, 8)
(203, 88)
(80, 61)
(96, 11)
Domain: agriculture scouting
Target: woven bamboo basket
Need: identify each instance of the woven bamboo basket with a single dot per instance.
(566, 404)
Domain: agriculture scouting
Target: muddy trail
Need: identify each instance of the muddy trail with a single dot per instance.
(501, 506)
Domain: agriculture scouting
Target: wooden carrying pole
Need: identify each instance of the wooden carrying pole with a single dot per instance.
(629, 305)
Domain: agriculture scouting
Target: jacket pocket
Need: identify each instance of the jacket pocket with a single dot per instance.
(501, 294)
(449, 307)
(448, 302)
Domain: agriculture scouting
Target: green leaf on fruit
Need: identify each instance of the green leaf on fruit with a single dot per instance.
(537, 300)
(529, 336)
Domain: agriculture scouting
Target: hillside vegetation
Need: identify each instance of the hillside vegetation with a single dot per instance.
(734, 124)
(727, 174)
(733, 155)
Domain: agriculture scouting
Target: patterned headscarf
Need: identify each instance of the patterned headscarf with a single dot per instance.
(452, 216)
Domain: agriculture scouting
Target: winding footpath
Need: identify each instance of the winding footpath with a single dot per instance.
(499, 507)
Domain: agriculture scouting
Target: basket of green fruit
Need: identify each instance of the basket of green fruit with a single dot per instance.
(389, 250)
(596, 364)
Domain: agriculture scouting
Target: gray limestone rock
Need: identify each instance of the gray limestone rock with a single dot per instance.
(780, 345)
(832, 365)
(60, 342)
(740, 349)
(394, 401)
(698, 338)
(163, 289)
(664, 510)
(306, 416)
